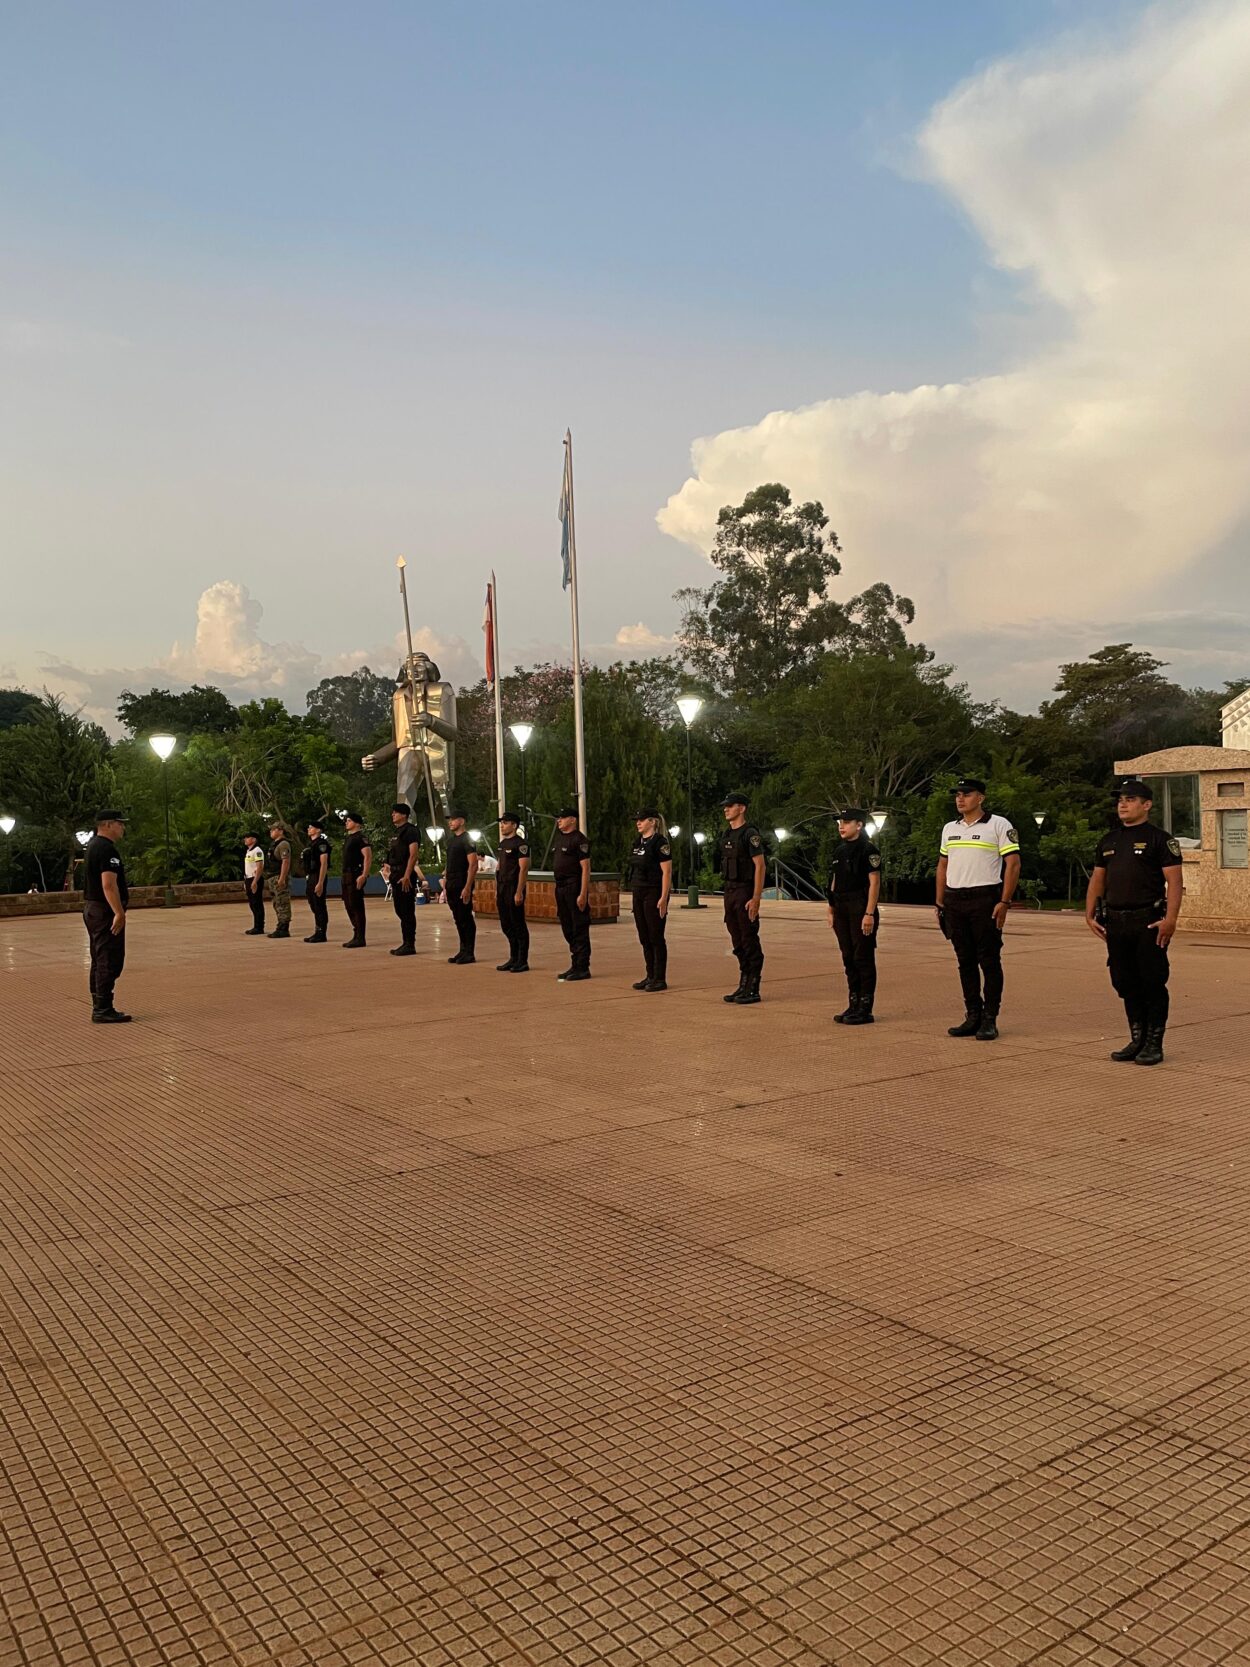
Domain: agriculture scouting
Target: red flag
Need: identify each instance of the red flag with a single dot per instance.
(488, 625)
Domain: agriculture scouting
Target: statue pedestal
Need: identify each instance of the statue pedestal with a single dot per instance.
(540, 897)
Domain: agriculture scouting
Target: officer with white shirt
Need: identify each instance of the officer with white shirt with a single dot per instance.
(978, 869)
(254, 884)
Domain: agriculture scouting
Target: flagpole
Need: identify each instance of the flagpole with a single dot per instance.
(494, 648)
(579, 731)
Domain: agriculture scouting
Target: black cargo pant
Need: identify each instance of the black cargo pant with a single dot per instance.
(1139, 968)
(320, 911)
(405, 905)
(108, 954)
(574, 923)
(256, 902)
(466, 922)
(859, 952)
(651, 924)
(354, 903)
(978, 944)
(744, 933)
(513, 923)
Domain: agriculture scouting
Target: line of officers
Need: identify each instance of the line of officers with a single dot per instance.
(1132, 903)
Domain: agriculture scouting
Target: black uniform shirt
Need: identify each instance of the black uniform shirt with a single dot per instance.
(1134, 859)
(739, 848)
(459, 851)
(646, 862)
(853, 863)
(354, 848)
(102, 858)
(406, 836)
(571, 851)
(511, 849)
(312, 855)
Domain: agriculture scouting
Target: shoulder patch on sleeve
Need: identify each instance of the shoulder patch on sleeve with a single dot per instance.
(1013, 838)
(755, 839)
(874, 861)
(522, 849)
(1174, 846)
(666, 850)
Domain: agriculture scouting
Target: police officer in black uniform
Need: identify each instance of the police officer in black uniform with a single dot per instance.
(854, 887)
(650, 885)
(512, 867)
(1133, 903)
(316, 861)
(403, 874)
(571, 862)
(743, 865)
(357, 859)
(459, 875)
(105, 895)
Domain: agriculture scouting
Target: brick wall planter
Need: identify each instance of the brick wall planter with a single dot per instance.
(540, 897)
(16, 905)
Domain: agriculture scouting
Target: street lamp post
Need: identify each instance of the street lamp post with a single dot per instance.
(162, 746)
(689, 706)
(1039, 816)
(83, 836)
(521, 735)
(674, 832)
(779, 834)
(7, 825)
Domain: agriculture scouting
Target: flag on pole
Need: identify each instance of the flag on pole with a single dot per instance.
(488, 625)
(566, 516)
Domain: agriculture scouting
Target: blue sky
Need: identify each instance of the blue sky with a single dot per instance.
(289, 288)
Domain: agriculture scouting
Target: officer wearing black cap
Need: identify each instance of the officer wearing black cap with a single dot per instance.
(650, 885)
(254, 884)
(105, 895)
(978, 868)
(357, 860)
(403, 874)
(570, 860)
(1133, 903)
(743, 865)
(316, 862)
(854, 887)
(512, 867)
(459, 877)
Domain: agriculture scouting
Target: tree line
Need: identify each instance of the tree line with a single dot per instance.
(811, 702)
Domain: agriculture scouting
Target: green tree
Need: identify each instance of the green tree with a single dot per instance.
(57, 774)
(770, 616)
(16, 707)
(199, 710)
(353, 708)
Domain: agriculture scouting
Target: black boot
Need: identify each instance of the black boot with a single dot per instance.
(643, 983)
(751, 995)
(736, 995)
(317, 937)
(1151, 1050)
(281, 932)
(1136, 1035)
(971, 1024)
(863, 1012)
(254, 932)
(354, 943)
(658, 984)
(987, 1030)
(848, 1013)
(405, 949)
(506, 966)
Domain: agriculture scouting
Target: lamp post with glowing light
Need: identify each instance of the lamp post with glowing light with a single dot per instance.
(1039, 816)
(689, 706)
(521, 735)
(7, 825)
(780, 835)
(83, 836)
(162, 746)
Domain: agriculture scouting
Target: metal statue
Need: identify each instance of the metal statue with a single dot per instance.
(424, 729)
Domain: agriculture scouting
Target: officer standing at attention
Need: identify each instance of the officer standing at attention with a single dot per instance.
(1136, 887)
(571, 863)
(854, 888)
(105, 895)
(459, 877)
(404, 871)
(357, 860)
(978, 867)
(316, 860)
(512, 866)
(743, 865)
(254, 884)
(280, 859)
(650, 884)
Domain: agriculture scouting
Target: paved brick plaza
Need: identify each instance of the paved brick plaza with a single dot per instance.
(365, 1311)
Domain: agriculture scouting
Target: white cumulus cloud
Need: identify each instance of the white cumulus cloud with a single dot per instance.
(1110, 174)
(642, 638)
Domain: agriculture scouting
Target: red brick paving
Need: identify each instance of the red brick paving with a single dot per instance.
(390, 1312)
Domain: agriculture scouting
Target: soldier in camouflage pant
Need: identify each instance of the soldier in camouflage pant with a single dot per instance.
(280, 879)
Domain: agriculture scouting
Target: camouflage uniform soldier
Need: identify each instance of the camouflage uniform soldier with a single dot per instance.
(280, 885)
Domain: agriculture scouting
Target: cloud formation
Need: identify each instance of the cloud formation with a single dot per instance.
(1110, 175)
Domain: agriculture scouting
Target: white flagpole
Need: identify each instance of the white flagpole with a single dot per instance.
(499, 754)
(579, 730)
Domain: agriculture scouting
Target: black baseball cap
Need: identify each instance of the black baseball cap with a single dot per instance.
(456, 816)
(401, 809)
(970, 784)
(569, 810)
(314, 822)
(855, 813)
(1133, 787)
(647, 814)
(509, 816)
(353, 816)
(109, 816)
(734, 799)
